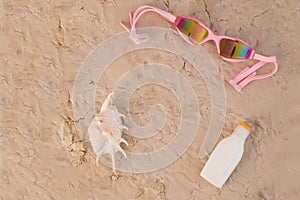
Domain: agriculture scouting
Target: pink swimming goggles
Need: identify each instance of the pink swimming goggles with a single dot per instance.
(194, 32)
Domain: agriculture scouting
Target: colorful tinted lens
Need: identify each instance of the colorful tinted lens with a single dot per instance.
(234, 49)
(191, 29)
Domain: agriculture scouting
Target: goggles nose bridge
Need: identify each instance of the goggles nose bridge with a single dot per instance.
(216, 39)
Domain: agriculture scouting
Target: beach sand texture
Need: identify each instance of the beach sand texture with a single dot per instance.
(43, 44)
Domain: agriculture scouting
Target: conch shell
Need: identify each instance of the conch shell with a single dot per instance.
(105, 131)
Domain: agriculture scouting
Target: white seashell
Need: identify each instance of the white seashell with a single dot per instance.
(105, 131)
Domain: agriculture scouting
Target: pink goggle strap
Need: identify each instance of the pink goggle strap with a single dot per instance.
(141, 38)
(249, 73)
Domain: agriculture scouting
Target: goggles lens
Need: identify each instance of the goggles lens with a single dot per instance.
(191, 29)
(234, 49)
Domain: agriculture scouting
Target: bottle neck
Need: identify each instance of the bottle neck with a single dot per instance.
(241, 132)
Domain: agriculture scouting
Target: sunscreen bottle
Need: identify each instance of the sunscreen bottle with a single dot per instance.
(226, 156)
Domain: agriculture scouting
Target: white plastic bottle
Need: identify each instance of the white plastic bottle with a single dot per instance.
(226, 156)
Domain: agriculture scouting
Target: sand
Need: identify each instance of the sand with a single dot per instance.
(43, 44)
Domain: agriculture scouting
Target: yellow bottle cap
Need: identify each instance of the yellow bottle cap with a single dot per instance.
(245, 126)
